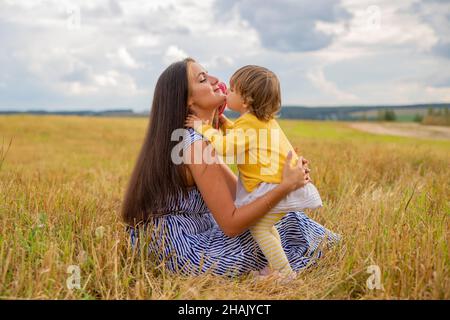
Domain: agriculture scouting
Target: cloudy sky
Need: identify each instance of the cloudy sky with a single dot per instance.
(108, 54)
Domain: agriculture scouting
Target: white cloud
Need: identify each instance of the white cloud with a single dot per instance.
(388, 24)
(318, 79)
(145, 41)
(126, 58)
(218, 62)
(173, 53)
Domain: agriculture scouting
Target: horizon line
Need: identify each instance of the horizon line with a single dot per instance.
(138, 110)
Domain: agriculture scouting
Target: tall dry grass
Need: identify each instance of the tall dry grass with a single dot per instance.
(62, 181)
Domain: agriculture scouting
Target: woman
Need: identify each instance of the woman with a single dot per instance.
(188, 209)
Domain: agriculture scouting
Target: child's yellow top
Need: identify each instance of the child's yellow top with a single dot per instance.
(263, 146)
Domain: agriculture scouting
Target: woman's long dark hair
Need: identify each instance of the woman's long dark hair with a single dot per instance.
(155, 178)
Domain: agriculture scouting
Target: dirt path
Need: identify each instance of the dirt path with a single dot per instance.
(414, 130)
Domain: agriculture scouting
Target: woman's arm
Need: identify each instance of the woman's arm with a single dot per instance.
(230, 179)
(212, 182)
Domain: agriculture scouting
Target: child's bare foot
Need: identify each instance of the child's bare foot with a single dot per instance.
(261, 274)
(285, 278)
(265, 272)
(278, 277)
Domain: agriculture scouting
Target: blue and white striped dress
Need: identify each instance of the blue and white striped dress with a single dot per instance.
(190, 242)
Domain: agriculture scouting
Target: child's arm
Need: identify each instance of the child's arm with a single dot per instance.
(225, 145)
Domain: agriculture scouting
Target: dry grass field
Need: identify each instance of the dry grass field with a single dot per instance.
(62, 181)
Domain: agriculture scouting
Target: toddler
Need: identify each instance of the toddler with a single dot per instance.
(258, 145)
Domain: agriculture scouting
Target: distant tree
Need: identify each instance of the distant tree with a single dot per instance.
(386, 115)
(430, 111)
(438, 118)
(390, 115)
(418, 118)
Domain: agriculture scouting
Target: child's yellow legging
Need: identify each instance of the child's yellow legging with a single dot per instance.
(268, 239)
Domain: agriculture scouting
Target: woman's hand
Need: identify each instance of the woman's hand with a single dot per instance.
(296, 176)
(192, 121)
(305, 162)
(307, 169)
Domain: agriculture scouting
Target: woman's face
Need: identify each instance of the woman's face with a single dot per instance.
(205, 92)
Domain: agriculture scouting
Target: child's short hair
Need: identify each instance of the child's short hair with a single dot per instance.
(260, 89)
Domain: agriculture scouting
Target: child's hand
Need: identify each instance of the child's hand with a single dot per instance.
(192, 121)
